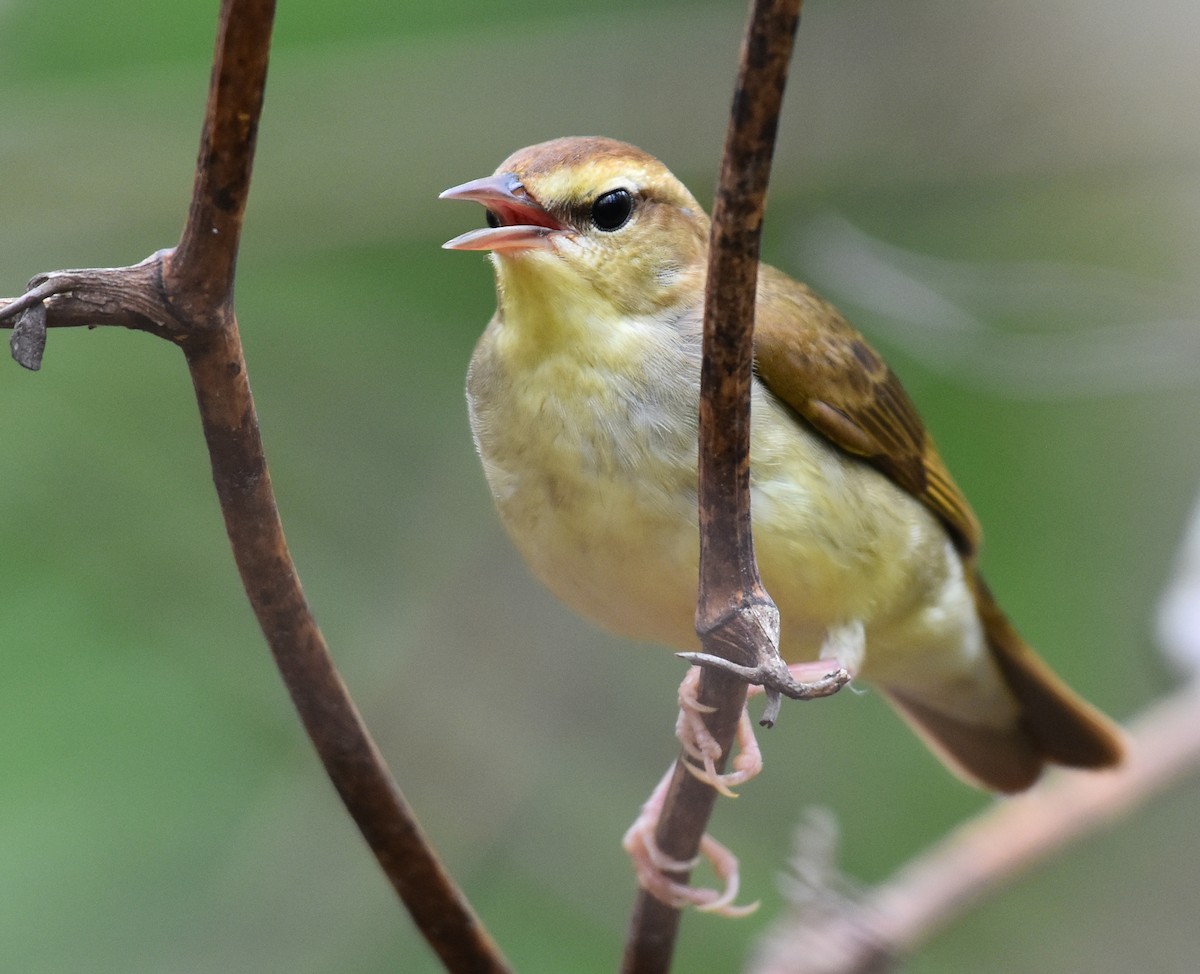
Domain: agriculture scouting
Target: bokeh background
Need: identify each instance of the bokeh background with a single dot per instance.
(1007, 199)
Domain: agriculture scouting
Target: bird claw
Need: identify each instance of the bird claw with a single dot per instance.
(699, 744)
(800, 681)
(652, 865)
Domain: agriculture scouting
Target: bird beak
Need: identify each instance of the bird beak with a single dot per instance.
(522, 223)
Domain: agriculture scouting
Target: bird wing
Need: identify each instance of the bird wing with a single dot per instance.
(814, 361)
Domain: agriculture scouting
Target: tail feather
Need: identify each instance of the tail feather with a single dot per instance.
(1002, 759)
(1053, 724)
(1067, 729)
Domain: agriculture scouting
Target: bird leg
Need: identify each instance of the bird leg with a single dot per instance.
(649, 862)
(841, 655)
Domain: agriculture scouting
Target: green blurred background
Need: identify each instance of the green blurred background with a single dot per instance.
(1005, 198)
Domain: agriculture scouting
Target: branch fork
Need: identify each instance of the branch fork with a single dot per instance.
(185, 295)
(132, 297)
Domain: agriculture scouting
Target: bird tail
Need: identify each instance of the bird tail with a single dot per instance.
(1054, 724)
(1068, 729)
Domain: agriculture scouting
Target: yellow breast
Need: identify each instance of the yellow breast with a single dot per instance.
(589, 446)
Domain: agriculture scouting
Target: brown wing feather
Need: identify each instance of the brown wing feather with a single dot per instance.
(809, 356)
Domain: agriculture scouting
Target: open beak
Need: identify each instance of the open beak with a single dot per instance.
(516, 220)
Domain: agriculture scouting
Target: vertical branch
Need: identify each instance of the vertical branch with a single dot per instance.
(728, 572)
(201, 268)
(735, 616)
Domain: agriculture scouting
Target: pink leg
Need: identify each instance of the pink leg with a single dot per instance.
(649, 862)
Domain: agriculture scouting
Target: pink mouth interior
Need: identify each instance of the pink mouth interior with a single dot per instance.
(514, 214)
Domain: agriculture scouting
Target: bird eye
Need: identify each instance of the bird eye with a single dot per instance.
(493, 221)
(612, 210)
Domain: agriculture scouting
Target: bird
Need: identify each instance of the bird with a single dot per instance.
(583, 395)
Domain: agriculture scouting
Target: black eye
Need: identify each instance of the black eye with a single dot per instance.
(612, 210)
(493, 221)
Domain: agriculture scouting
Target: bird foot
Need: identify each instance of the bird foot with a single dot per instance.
(699, 744)
(652, 865)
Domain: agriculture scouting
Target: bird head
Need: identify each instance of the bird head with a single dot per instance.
(588, 223)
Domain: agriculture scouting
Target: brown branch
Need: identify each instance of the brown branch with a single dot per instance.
(735, 618)
(986, 854)
(186, 296)
(199, 273)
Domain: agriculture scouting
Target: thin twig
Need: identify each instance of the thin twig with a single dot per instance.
(186, 296)
(983, 856)
(735, 615)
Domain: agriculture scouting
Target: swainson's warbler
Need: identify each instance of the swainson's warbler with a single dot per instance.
(583, 394)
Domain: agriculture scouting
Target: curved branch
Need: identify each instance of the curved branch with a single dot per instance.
(346, 749)
(186, 296)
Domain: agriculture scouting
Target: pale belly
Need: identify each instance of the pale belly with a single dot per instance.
(600, 499)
